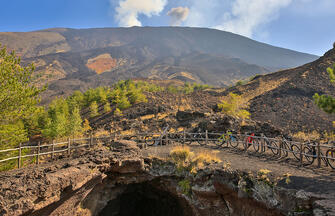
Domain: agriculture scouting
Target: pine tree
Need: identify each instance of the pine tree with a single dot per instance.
(86, 126)
(75, 122)
(326, 102)
(102, 92)
(76, 100)
(56, 123)
(94, 109)
(123, 103)
(107, 107)
(136, 96)
(60, 125)
(18, 97)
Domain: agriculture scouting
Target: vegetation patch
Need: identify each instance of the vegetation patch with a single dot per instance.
(262, 176)
(234, 105)
(187, 164)
(314, 135)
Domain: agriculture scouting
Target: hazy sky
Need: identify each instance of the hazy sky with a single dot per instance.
(303, 25)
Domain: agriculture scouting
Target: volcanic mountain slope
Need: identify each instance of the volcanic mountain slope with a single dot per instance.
(70, 59)
(196, 111)
(285, 98)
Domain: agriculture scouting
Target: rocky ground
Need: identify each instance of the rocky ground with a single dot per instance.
(192, 112)
(285, 98)
(103, 181)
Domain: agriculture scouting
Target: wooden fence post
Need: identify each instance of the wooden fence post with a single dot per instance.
(246, 143)
(110, 136)
(301, 154)
(92, 140)
(319, 154)
(262, 143)
(89, 140)
(69, 146)
(19, 159)
(167, 138)
(53, 149)
(280, 147)
(161, 140)
(206, 137)
(38, 152)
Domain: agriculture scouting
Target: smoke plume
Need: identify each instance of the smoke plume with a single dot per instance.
(127, 11)
(178, 15)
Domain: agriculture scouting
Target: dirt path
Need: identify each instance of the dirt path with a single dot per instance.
(309, 178)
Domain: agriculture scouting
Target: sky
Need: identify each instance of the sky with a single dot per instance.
(302, 25)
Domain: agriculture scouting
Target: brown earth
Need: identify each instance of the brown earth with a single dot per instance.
(104, 63)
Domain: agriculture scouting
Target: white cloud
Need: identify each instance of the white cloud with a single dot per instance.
(247, 15)
(205, 13)
(127, 11)
(238, 16)
(178, 15)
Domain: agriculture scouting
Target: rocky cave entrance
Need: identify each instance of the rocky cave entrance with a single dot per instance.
(145, 200)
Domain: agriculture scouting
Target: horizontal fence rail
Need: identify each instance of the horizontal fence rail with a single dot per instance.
(305, 153)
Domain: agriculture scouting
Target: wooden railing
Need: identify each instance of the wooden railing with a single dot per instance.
(305, 153)
(48, 149)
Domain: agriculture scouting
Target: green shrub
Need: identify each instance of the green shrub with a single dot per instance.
(233, 105)
(94, 109)
(185, 186)
(123, 103)
(326, 102)
(107, 107)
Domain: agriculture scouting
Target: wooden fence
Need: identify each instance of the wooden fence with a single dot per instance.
(38, 150)
(305, 153)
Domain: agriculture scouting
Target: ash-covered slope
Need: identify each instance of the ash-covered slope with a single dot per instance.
(69, 59)
(285, 98)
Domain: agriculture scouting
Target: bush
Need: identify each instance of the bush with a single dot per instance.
(314, 135)
(238, 83)
(118, 112)
(86, 126)
(185, 186)
(187, 161)
(233, 105)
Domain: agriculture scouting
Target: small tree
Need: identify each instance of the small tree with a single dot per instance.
(326, 102)
(136, 96)
(75, 122)
(76, 100)
(86, 126)
(123, 103)
(94, 109)
(233, 105)
(107, 107)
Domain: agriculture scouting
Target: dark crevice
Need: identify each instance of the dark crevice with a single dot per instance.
(145, 200)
